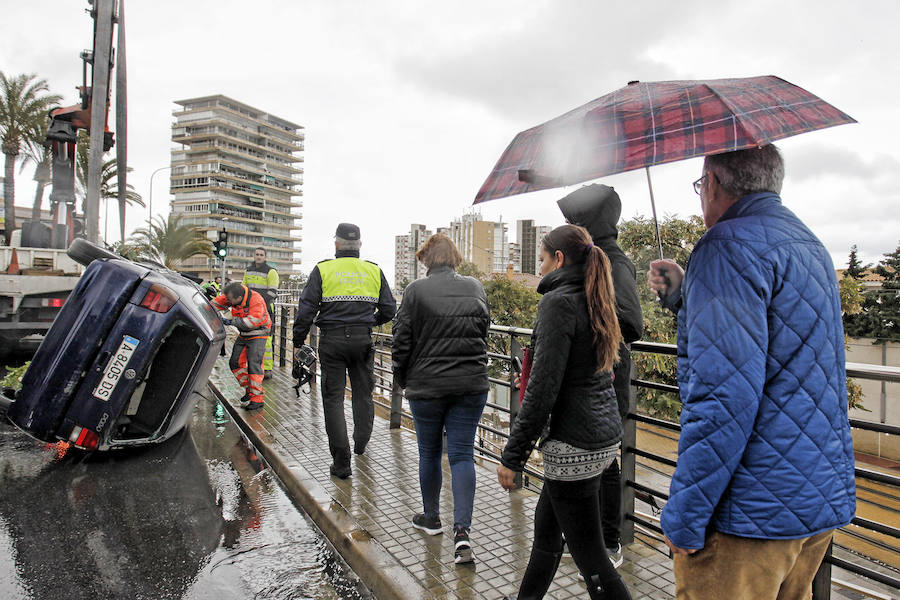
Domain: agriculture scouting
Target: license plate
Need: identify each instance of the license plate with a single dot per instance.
(115, 368)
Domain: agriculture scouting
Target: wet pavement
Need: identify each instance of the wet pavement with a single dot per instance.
(367, 517)
(200, 516)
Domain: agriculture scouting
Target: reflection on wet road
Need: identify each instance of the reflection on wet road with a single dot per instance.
(197, 517)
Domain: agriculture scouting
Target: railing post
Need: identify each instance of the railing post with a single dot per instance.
(515, 351)
(629, 440)
(282, 335)
(396, 405)
(821, 585)
(314, 343)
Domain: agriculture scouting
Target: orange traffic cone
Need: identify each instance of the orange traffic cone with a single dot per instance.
(13, 268)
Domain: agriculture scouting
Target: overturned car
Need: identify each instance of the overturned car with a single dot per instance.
(125, 359)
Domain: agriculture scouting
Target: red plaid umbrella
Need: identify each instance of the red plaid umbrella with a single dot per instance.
(644, 124)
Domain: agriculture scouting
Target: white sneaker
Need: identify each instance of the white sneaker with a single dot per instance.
(615, 556)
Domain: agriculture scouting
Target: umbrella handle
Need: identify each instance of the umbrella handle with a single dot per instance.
(653, 206)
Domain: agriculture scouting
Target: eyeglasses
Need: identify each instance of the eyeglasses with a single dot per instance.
(698, 185)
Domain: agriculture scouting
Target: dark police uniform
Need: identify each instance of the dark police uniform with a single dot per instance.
(346, 297)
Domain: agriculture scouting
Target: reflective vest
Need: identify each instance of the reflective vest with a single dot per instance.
(350, 279)
(263, 280)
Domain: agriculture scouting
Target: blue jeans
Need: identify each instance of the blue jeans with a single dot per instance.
(459, 415)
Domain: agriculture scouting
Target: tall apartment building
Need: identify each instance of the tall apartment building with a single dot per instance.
(527, 245)
(483, 243)
(529, 237)
(236, 168)
(515, 257)
(406, 267)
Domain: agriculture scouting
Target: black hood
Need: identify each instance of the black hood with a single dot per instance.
(595, 207)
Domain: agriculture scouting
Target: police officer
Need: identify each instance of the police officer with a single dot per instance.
(262, 278)
(347, 297)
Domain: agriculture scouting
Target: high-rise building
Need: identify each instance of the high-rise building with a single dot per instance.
(527, 245)
(529, 236)
(483, 243)
(515, 257)
(406, 268)
(539, 232)
(235, 169)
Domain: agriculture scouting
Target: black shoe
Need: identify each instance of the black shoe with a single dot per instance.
(267, 376)
(429, 526)
(462, 551)
(359, 448)
(253, 406)
(245, 400)
(341, 472)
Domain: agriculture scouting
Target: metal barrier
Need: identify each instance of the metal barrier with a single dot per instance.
(493, 433)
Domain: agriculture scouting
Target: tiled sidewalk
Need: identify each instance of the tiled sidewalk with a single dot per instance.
(383, 494)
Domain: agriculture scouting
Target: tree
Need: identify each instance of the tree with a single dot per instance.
(855, 268)
(169, 242)
(41, 156)
(512, 304)
(637, 238)
(109, 177)
(25, 103)
(469, 268)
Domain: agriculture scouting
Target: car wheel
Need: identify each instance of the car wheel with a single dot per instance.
(84, 252)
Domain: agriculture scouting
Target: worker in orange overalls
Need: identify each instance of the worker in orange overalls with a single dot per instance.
(251, 317)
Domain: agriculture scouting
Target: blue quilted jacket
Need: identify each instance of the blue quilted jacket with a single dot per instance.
(765, 449)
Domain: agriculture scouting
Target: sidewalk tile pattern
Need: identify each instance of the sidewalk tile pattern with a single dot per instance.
(383, 495)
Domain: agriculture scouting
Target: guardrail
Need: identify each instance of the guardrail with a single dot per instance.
(493, 431)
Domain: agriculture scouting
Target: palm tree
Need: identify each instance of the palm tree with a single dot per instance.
(109, 173)
(169, 242)
(42, 157)
(25, 103)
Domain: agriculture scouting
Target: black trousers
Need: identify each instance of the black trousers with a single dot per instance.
(570, 508)
(347, 351)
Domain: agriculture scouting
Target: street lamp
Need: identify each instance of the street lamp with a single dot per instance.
(150, 201)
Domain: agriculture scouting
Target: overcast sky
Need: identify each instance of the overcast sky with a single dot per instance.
(407, 105)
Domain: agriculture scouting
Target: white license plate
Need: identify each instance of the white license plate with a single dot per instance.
(116, 366)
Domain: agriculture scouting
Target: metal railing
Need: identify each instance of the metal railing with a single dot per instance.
(493, 431)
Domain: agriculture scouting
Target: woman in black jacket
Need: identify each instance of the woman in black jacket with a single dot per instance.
(570, 402)
(439, 355)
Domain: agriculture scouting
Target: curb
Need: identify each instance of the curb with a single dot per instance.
(385, 577)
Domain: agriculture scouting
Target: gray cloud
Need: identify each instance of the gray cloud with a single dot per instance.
(579, 50)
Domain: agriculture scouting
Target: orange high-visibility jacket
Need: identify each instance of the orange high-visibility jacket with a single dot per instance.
(251, 317)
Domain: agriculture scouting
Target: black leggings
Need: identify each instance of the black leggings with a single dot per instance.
(571, 508)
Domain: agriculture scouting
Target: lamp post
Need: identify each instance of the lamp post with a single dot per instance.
(150, 201)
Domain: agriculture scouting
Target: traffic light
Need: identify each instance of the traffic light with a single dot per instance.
(221, 245)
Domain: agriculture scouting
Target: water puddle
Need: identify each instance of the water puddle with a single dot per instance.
(200, 516)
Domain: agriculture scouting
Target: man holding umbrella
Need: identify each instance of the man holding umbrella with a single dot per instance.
(597, 208)
(765, 468)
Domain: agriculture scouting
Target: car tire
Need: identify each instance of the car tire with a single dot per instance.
(84, 252)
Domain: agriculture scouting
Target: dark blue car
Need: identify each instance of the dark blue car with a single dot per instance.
(125, 358)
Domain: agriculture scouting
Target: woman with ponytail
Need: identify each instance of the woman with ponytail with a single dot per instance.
(570, 404)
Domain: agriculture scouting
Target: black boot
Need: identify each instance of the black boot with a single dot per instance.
(340, 465)
(611, 589)
(538, 575)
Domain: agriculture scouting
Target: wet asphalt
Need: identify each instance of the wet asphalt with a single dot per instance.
(199, 516)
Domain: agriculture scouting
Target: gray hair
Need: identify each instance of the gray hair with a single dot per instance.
(748, 171)
(342, 244)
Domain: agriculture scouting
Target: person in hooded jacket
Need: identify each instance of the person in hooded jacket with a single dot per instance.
(576, 341)
(439, 355)
(597, 208)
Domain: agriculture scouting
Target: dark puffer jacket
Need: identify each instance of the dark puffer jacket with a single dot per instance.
(597, 208)
(564, 385)
(440, 336)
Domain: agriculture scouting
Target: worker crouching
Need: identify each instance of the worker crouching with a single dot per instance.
(251, 318)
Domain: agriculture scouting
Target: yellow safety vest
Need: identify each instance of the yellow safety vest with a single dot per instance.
(350, 279)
